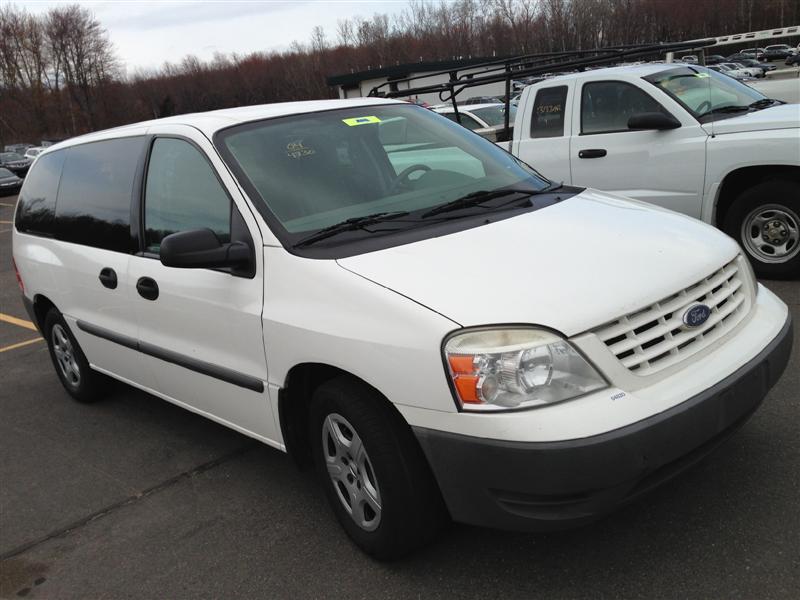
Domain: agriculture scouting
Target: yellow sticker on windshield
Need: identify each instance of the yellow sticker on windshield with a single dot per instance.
(360, 121)
(701, 74)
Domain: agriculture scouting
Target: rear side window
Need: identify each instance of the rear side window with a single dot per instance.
(94, 200)
(548, 112)
(606, 106)
(182, 193)
(37, 201)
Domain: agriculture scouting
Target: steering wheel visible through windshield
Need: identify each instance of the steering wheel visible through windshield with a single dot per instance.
(705, 93)
(316, 170)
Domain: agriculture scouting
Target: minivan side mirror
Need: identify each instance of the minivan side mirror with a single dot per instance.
(653, 120)
(200, 248)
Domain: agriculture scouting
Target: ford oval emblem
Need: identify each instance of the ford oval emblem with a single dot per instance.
(696, 315)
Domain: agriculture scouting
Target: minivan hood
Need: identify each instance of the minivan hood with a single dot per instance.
(572, 266)
(782, 116)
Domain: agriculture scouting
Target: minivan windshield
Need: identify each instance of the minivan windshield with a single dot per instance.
(316, 170)
(708, 94)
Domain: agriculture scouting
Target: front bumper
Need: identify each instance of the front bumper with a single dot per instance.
(539, 486)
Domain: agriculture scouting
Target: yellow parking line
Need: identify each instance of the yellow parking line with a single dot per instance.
(20, 344)
(6, 204)
(17, 322)
(5, 222)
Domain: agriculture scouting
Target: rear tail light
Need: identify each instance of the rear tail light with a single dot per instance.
(19, 278)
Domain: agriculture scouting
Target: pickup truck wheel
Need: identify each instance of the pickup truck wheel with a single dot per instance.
(373, 471)
(72, 368)
(765, 220)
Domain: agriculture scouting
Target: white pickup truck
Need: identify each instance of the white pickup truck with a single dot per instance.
(679, 136)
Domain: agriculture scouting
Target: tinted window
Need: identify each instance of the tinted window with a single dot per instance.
(37, 200)
(606, 106)
(548, 112)
(6, 173)
(94, 200)
(182, 193)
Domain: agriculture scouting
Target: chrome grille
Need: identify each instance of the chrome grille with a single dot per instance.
(655, 337)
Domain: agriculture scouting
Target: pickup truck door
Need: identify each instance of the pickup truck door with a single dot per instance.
(665, 167)
(542, 128)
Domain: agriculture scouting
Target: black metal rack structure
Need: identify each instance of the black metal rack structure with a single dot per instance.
(528, 65)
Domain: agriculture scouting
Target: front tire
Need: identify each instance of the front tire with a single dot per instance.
(72, 368)
(374, 474)
(765, 220)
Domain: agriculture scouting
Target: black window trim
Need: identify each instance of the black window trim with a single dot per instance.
(628, 83)
(138, 203)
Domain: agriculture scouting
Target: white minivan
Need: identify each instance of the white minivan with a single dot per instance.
(384, 294)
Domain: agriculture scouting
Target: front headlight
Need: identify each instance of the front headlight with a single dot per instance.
(501, 369)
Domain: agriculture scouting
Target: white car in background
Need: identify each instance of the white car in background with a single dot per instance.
(33, 152)
(487, 120)
(737, 70)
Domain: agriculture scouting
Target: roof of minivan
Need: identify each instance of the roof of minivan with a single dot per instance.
(212, 121)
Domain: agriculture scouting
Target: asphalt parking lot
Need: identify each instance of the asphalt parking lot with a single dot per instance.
(134, 497)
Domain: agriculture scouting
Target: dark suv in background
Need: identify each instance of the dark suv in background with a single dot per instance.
(16, 163)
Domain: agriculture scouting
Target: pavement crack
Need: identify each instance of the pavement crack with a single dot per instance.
(107, 510)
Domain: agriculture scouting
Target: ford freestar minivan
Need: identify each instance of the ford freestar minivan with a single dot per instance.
(370, 287)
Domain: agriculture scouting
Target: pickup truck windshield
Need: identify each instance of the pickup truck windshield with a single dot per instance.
(315, 170)
(705, 93)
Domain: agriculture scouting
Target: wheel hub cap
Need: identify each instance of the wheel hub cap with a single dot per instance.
(65, 355)
(350, 471)
(771, 233)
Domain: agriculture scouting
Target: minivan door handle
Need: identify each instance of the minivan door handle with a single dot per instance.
(108, 278)
(592, 153)
(147, 288)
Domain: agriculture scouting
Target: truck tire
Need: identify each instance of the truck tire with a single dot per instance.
(765, 220)
(373, 471)
(72, 368)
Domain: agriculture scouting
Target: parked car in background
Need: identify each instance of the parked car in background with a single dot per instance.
(9, 182)
(445, 333)
(734, 70)
(792, 60)
(487, 120)
(681, 136)
(33, 152)
(18, 148)
(689, 58)
(778, 52)
(758, 69)
(16, 163)
(756, 53)
(713, 59)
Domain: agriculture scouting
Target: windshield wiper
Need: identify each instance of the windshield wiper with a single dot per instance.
(477, 198)
(726, 109)
(764, 103)
(349, 225)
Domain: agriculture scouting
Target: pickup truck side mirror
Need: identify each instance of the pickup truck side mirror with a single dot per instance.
(653, 120)
(200, 248)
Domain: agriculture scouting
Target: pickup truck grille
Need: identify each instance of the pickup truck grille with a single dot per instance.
(655, 337)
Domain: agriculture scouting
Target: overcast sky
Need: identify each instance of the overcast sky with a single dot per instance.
(146, 33)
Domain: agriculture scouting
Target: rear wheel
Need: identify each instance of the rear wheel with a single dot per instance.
(765, 220)
(373, 471)
(72, 368)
